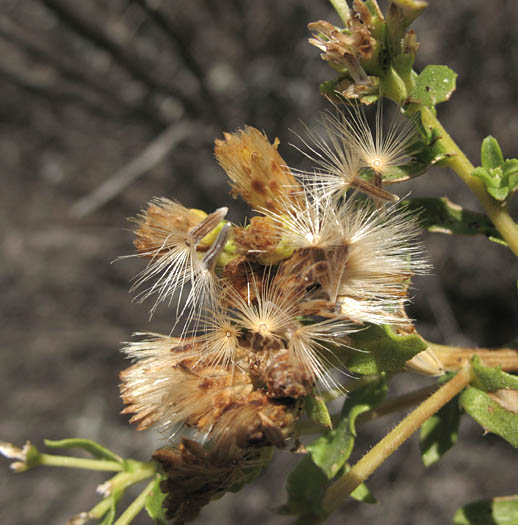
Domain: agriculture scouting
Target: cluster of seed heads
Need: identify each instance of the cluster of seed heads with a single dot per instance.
(264, 312)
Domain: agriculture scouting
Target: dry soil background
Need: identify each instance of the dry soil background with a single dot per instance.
(85, 87)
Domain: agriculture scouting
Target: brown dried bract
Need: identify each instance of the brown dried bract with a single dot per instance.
(258, 237)
(158, 221)
(195, 475)
(256, 170)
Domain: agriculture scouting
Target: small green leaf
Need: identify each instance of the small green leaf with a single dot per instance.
(306, 486)
(441, 215)
(433, 85)
(154, 504)
(491, 154)
(361, 492)
(88, 445)
(383, 350)
(439, 433)
(492, 379)
(316, 410)
(497, 511)
(333, 448)
(490, 415)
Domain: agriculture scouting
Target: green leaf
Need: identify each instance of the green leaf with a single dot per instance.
(309, 480)
(361, 492)
(497, 511)
(154, 502)
(490, 415)
(306, 486)
(316, 410)
(332, 450)
(491, 154)
(492, 379)
(92, 447)
(444, 216)
(382, 350)
(433, 85)
(439, 433)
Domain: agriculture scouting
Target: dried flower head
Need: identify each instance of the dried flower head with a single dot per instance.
(256, 170)
(173, 238)
(197, 475)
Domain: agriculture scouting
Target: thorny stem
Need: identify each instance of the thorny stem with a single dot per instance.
(459, 163)
(341, 488)
(453, 357)
(136, 506)
(50, 460)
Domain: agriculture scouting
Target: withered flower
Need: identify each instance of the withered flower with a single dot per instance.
(256, 170)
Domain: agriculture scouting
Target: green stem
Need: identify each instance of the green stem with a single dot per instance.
(123, 480)
(340, 489)
(342, 9)
(50, 460)
(100, 509)
(395, 404)
(136, 506)
(459, 163)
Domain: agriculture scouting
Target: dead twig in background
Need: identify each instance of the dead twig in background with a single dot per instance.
(154, 153)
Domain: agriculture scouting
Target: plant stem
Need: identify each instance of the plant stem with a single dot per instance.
(136, 506)
(397, 403)
(123, 480)
(459, 163)
(392, 405)
(341, 488)
(342, 9)
(50, 460)
(454, 357)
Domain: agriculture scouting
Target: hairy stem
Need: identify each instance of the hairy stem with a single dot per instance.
(392, 405)
(459, 163)
(453, 357)
(340, 489)
(136, 506)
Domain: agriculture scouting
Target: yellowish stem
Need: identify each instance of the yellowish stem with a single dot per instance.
(453, 357)
(342, 488)
(459, 163)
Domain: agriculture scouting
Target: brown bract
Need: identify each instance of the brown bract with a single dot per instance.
(195, 476)
(256, 170)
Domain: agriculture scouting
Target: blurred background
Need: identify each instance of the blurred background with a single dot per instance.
(104, 105)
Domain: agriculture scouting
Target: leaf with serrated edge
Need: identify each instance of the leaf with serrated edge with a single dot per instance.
(492, 379)
(433, 85)
(490, 415)
(384, 350)
(153, 504)
(496, 511)
(90, 446)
